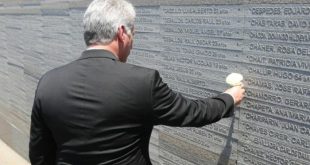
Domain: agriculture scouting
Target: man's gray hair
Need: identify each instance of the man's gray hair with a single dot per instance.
(103, 18)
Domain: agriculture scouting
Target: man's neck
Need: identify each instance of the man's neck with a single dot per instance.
(103, 47)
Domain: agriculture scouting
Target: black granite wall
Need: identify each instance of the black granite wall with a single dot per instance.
(195, 45)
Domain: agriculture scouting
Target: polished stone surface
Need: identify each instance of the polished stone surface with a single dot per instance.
(194, 45)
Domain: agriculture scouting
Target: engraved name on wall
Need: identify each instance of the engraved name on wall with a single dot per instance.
(195, 47)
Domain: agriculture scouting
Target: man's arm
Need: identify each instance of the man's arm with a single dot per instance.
(170, 108)
(42, 147)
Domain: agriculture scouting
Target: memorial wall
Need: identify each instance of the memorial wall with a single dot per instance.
(194, 45)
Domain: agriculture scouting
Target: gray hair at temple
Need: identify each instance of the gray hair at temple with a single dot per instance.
(103, 18)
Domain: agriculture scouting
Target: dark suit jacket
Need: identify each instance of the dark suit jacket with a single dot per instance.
(97, 110)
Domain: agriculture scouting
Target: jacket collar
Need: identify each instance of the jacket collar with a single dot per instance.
(97, 53)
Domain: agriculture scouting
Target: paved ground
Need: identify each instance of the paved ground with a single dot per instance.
(10, 157)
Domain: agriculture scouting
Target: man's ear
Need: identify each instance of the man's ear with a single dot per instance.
(121, 33)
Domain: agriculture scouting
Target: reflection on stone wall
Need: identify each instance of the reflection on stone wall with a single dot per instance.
(194, 46)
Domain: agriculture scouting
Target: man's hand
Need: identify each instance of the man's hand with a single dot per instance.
(237, 92)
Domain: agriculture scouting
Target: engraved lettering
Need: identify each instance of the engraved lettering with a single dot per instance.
(146, 20)
(279, 136)
(298, 103)
(288, 126)
(146, 28)
(279, 23)
(265, 143)
(294, 152)
(280, 36)
(256, 129)
(250, 160)
(298, 24)
(305, 130)
(187, 136)
(277, 159)
(190, 81)
(301, 91)
(182, 70)
(262, 47)
(286, 75)
(287, 113)
(207, 135)
(264, 96)
(288, 63)
(286, 138)
(292, 127)
(194, 10)
(198, 31)
(147, 11)
(265, 11)
(296, 11)
(195, 41)
(258, 35)
(205, 42)
(283, 88)
(257, 59)
(262, 119)
(196, 51)
(144, 54)
(253, 151)
(258, 83)
(292, 115)
(292, 50)
(196, 62)
(197, 21)
(281, 148)
(258, 107)
(264, 72)
(267, 23)
(169, 156)
(218, 128)
(277, 86)
(301, 142)
(274, 11)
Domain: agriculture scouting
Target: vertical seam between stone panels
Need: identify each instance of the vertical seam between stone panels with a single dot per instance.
(242, 7)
